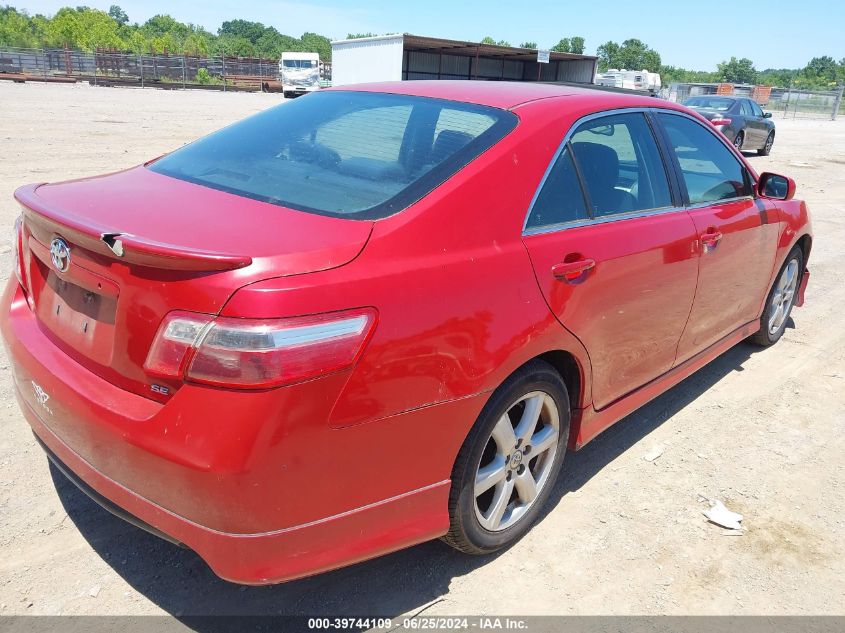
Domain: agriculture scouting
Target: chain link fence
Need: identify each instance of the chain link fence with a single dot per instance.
(781, 102)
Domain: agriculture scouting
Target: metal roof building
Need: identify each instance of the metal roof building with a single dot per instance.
(397, 57)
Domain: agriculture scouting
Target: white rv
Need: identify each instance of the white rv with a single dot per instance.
(630, 79)
(299, 73)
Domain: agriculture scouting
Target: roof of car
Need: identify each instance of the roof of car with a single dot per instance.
(731, 97)
(502, 94)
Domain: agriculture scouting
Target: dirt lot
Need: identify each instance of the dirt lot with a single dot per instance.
(762, 430)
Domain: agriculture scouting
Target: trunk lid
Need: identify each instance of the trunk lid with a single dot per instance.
(143, 244)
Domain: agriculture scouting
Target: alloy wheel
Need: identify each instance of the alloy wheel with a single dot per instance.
(738, 139)
(783, 296)
(516, 461)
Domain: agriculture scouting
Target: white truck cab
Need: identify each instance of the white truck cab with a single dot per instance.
(299, 73)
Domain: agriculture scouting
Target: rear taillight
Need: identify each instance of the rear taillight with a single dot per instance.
(257, 354)
(720, 121)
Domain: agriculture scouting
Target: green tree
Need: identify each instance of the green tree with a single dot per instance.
(529, 45)
(16, 28)
(357, 36)
(233, 46)
(314, 43)
(822, 70)
(488, 40)
(577, 44)
(118, 15)
(83, 28)
(251, 31)
(632, 54)
(781, 77)
(737, 71)
(563, 46)
(608, 54)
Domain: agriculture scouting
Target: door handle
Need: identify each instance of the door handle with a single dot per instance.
(571, 271)
(711, 239)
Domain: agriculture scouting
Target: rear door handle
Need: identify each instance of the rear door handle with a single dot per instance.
(571, 271)
(711, 239)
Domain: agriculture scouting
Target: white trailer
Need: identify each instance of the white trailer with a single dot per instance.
(299, 73)
(367, 59)
(629, 79)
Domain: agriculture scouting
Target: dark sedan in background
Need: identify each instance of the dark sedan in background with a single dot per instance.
(740, 119)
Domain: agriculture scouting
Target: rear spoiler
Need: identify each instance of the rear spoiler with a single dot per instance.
(109, 241)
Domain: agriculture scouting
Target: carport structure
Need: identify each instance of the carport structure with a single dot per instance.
(409, 57)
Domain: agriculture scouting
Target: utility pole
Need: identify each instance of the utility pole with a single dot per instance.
(837, 102)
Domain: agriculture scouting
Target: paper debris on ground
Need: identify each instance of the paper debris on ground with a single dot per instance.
(654, 453)
(720, 515)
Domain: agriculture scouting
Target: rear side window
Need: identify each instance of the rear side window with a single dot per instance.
(610, 166)
(342, 153)
(710, 170)
(620, 165)
(560, 200)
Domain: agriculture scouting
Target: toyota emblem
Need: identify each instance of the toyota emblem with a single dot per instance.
(60, 254)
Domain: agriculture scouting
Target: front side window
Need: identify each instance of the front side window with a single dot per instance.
(710, 170)
(746, 108)
(342, 153)
(758, 111)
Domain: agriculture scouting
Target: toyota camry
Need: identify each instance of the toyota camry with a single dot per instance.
(381, 314)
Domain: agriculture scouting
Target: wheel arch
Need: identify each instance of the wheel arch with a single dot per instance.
(805, 243)
(570, 370)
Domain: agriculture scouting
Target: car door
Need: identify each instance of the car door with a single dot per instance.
(755, 125)
(766, 123)
(737, 235)
(613, 254)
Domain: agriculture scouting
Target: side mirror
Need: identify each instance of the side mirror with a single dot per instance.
(775, 186)
(767, 115)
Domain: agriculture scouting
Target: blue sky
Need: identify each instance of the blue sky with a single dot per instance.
(694, 35)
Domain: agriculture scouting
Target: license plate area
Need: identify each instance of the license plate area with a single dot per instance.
(77, 307)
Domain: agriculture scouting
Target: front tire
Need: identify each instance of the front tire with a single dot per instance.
(508, 464)
(780, 300)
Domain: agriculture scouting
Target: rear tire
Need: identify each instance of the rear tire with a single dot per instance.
(739, 139)
(508, 465)
(780, 300)
(767, 147)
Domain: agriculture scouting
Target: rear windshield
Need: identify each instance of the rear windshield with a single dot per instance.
(709, 103)
(340, 153)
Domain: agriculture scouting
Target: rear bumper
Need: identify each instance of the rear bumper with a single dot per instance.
(273, 557)
(225, 474)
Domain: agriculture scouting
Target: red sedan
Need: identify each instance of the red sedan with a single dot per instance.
(379, 315)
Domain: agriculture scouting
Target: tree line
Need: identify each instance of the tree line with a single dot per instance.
(819, 73)
(88, 29)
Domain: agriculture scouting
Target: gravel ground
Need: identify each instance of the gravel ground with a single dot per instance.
(764, 431)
